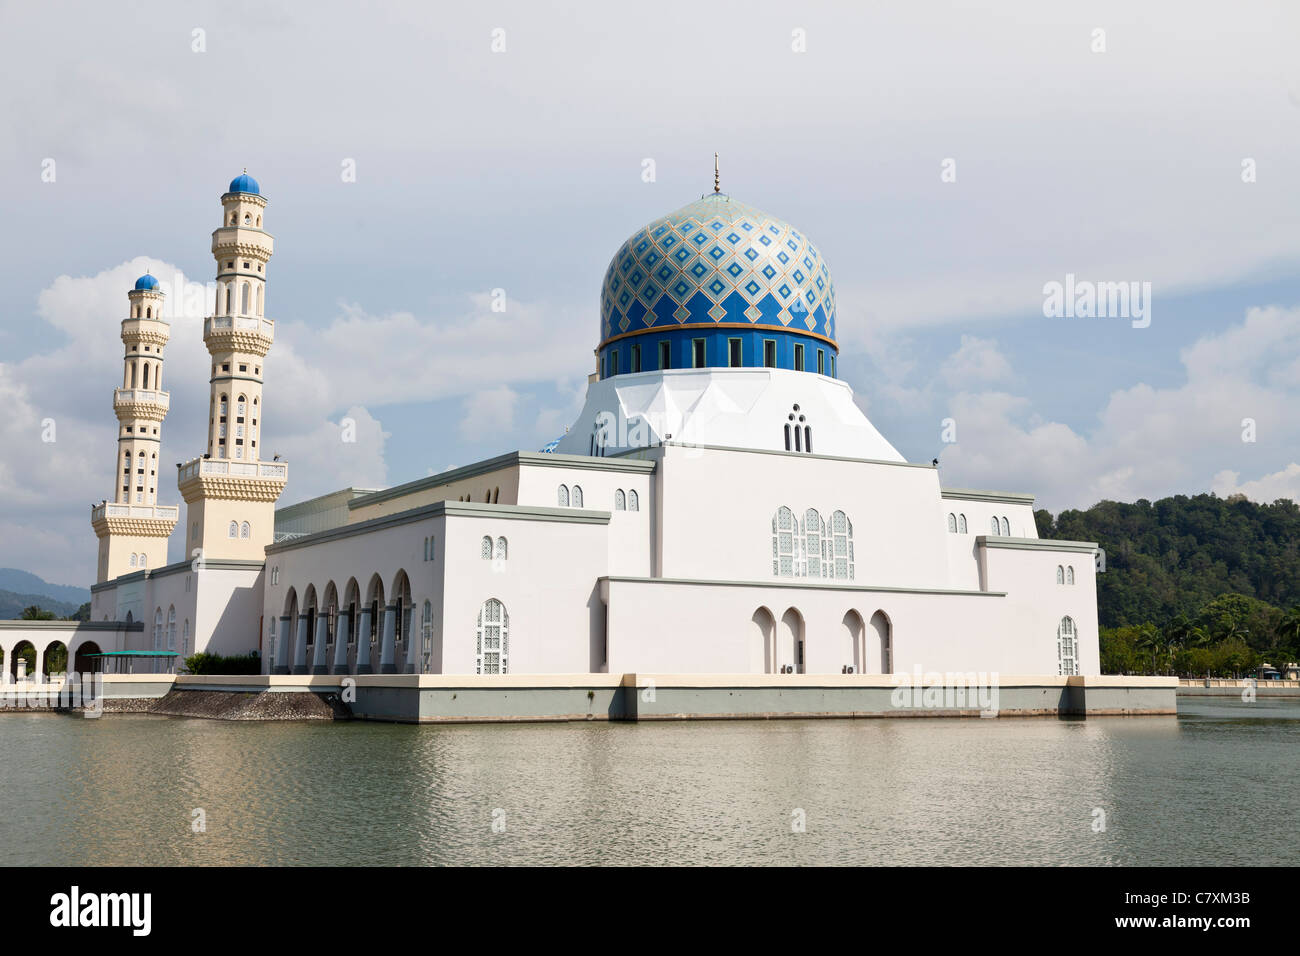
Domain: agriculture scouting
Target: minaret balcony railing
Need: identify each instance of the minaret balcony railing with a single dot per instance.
(110, 510)
(239, 469)
(239, 323)
(141, 396)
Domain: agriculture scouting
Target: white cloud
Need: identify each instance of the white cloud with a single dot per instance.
(315, 379)
(1268, 488)
(488, 411)
(1149, 441)
(976, 362)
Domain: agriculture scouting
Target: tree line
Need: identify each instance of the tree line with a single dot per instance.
(1193, 585)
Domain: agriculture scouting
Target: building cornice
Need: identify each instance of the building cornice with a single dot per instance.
(134, 527)
(444, 509)
(207, 564)
(1034, 544)
(998, 497)
(785, 454)
(799, 585)
(500, 463)
(231, 488)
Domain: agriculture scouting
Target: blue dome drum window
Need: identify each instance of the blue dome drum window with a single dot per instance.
(717, 283)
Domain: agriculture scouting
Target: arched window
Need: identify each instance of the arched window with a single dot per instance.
(577, 496)
(620, 500)
(633, 501)
(185, 639)
(233, 531)
(562, 496)
(1069, 574)
(961, 524)
(244, 530)
(227, 299)
(996, 527)
(157, 629)
(783, 551)
(143, 560)
(145, 382)
(426, 637)
(492, 644)
(952, 523)
(171, 628)
(1006, 527)
(133, 560)
(244, 300)
(1067, 647)
(1060, 574)
(842, 536)
(500, 553)
(485, 548)
(814, 530)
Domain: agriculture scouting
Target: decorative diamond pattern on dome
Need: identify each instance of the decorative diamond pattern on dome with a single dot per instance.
(718, 261)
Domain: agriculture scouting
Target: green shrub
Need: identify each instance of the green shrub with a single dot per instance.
(250, 663)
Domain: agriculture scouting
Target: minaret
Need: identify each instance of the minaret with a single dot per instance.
(230, 493)
(131, 527)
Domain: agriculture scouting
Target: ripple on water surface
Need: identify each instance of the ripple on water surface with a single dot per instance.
(1205, 787)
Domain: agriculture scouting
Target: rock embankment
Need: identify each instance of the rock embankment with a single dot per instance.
(251, 705)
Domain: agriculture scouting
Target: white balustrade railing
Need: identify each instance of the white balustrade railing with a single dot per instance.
(240, 469)
(240, 323)
(110, 510)
(139, 395)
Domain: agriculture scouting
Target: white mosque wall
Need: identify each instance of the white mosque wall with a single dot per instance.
(659, 626)
(546, 579)
(1026, 571)
(228, 603)
(548, 584)
(717, 508)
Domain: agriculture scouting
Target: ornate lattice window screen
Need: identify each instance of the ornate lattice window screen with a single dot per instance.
(1067, 648)
(493, 639)
(810, 548)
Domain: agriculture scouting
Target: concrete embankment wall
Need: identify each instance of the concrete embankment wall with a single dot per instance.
(1235, 688)
(428, 698)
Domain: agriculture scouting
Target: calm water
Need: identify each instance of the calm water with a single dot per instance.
(1217, 784)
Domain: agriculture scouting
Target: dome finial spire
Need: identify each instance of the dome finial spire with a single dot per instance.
(716, 187)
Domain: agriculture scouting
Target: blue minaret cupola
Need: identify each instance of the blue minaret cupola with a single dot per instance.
(717, 283)
(146, 283)
(244, 183)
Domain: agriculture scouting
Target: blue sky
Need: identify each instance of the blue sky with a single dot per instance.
(523, 170)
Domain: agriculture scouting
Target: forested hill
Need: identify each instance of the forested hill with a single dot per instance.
(1174, 556)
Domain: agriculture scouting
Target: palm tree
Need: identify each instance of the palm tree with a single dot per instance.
(1289, 629)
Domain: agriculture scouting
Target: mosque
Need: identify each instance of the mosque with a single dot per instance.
(720, 506)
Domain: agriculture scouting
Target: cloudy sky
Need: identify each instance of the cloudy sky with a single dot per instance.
(949, 162)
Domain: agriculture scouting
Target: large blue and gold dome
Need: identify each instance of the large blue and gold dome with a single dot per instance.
(717, 283)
